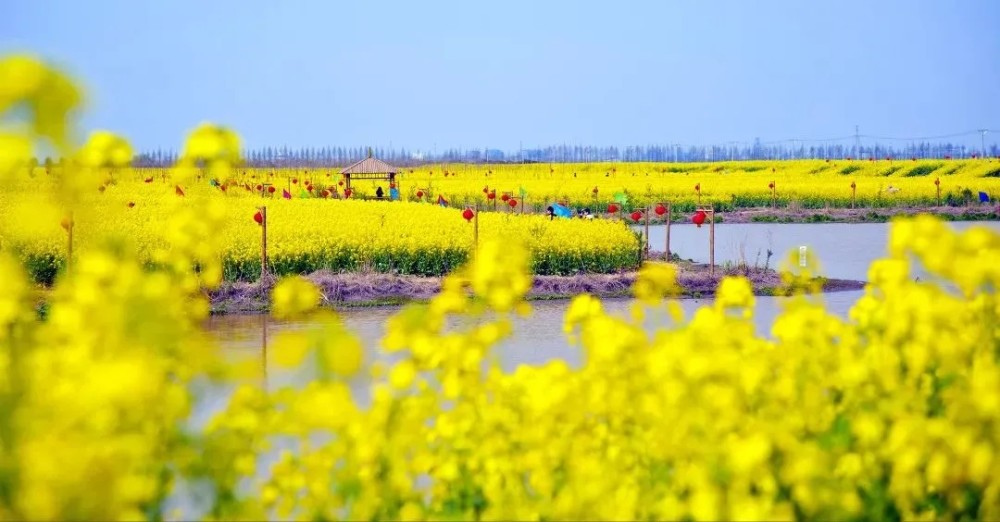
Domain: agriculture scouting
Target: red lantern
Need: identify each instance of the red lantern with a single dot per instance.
(295, 181)
(260, 188)
(770, 185)
(697, 187)
(492, 195)
(660, 209)
(854, 185)
(486, 190)
(468, 214)
(636, 215)
(937, 181)
(594, 191)
(341, 183)
(392, 185)
(270, 190)
(131, 204)
(325, 193)
(612, 208)
(512, 202)
(420, 194)
(505, 197)
(347, 193)
(699, 218)
(259, 218)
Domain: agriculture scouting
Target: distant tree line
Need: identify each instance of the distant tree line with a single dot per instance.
(341, 156)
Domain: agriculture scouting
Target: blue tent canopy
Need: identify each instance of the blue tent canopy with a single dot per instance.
(561, 211)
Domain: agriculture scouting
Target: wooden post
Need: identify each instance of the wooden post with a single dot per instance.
(711, 241)
(937, 183)
(647, 232)
(854, 193)
(774, 196)
(667, 249)
(263, 241)
(475, 231)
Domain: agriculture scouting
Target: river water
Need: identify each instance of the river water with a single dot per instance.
(844, 251)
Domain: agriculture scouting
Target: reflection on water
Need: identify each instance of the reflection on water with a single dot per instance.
(845, 251)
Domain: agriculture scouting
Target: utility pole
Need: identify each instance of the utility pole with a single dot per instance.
(982, 140)
(857, 142)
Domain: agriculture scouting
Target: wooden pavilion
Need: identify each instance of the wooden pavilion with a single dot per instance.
(369, 168)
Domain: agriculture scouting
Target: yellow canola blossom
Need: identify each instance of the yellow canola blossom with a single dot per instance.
(303, 235)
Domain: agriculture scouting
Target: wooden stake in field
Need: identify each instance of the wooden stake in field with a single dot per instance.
(697, 188)
(711, 241)
(854, 193)
(710, 214)
(937, 183)
(263, 240)
(667, 246)
(475, 230)
(646, 213)
(774, 197)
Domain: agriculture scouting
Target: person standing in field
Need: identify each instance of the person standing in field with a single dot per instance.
(379, 193)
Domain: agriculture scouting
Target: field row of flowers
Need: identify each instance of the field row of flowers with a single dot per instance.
(727, 185)
(304, 235)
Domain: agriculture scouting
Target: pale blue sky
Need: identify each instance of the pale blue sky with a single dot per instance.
(475, 74)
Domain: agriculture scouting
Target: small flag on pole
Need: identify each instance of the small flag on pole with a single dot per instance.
(441, 201)
(984, 197)
(286, 194)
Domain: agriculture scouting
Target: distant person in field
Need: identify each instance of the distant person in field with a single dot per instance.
(379, 193)
(551, 212)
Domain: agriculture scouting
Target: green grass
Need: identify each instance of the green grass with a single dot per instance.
(923, 170)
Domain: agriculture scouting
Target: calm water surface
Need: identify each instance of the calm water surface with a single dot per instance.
(845, 251)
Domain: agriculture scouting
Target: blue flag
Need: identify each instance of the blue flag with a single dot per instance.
(984, 197)
(394, 194)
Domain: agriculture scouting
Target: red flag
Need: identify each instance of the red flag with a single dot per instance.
(286, 194)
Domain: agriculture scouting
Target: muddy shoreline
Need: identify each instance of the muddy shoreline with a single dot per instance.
(357, 290)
